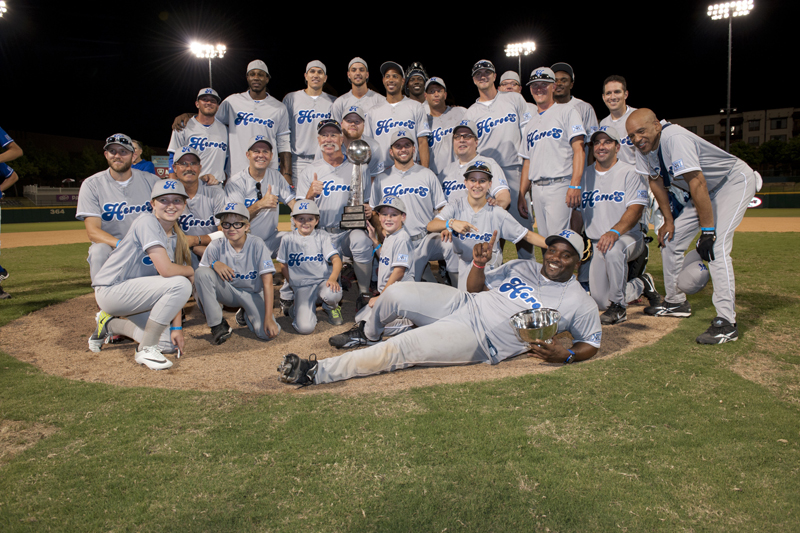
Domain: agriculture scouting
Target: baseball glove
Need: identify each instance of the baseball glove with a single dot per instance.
(295, 370)
(587, 249)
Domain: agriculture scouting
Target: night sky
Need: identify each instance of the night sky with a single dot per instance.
(89, 72)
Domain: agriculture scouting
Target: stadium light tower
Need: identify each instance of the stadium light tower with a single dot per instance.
(3, 8)
(518, 50)
(208, 51)
(729, 10)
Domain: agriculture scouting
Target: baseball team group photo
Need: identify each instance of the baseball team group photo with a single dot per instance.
(557, 250)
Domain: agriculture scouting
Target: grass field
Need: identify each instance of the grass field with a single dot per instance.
(675, 436)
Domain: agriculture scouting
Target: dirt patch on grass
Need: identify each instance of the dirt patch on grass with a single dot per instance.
(17, 436)
(55, 340)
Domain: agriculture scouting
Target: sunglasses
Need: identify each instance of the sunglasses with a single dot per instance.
(119, 139)
(258, 190)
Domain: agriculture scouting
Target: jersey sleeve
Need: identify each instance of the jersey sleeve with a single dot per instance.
(402, 254)
(263, 258)
(234, 191)
(522, 112)
(328, 251)
(176, 141)
(574, 125)
(284, 190)
(88, 200)
(437, 194)
(447, 212)
(636, 189)
(683, 154)
(423, 128)
(224, 112)
(148, 235)
(5, 138)
(499, 181)
(5, 171)
(585, 325)
(304, 182)
(510, 229)
(211, 253)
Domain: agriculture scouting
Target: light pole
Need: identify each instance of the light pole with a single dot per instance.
(729, 10)
(208, 51)
(3, 8)
(518, 50)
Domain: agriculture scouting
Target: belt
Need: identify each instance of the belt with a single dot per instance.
(544, 182)
(418, 237)
(334, 231)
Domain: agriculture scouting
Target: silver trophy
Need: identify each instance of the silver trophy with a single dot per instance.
(354, 216)
(536, 324)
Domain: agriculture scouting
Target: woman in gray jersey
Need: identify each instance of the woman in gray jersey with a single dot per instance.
(147, 279)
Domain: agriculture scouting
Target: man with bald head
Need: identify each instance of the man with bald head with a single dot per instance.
(720, 185)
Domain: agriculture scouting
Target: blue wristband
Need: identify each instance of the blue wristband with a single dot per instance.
(708, 229)
(447, 224)
(173, 328)
(568, 360)
(577, 187)
(212, 264)
(375, 250)
(117, 245)
(615, 231)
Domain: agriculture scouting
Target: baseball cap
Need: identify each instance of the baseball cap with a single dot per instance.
(564, 67)
(355, 109)
(318, 64)
(233, 208)
(120, 139)
(257, 64)
(165, 187)
(608, 130)
(694, 275)
(401, 134)
(483, 63)
(329, 122)
(259, 139)
(480, 166)
(391, 201)
(467, 123)
(357, 60)
(510, 75)
(542, 74)
(210, 92)
(574, 239)
(305, 207)
(186, 150)
(437, 81)
(391, 64)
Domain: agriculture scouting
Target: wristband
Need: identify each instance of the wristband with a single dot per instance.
(117, 245)
(375, 250)
(708, 229)
(576, 187)
(447, 224)
(476, 265)
(174, 328)
(615, 231)
(212, 264)
(568, 360)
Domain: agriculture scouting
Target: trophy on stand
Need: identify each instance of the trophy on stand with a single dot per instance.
(536, 324)
(354, 216)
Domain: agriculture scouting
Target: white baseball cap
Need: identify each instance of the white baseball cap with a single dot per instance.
(208, 91)
(305, 207)
(437, 81)
(259, 139)
(542, 74)
(392, 201)
(355, 109)
(233, 208)
(257, 64)
(401, 134)
(165, 187)
(694, 275)
(184, 151)
(466, 123)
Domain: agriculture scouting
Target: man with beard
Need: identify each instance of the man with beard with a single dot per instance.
(359, 94)
(111, 200)
(206, 135)
(441, 119)
(353, 130)
(474, 328)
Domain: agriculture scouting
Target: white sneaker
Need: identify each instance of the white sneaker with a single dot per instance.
(151, 357)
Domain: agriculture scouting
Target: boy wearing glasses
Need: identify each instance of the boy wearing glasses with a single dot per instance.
(311, 266)
(259, 188)
(237, 271)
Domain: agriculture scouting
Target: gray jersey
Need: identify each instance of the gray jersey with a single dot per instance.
(374, 165)
(342, 104)
(500, 124)
(440, 139)
(606, 196)
(305, 112)
(487, 220)
(586, 112)
(386, 118)
(241, 188)
(198, 215)
(307, 257)
(335, 189)
(116, 204)
(211, 142)
(420, 190)
(519, 285)
(248, 265)
(397, 250)
(627, 152)
(130, 259)
(684, 152)
(546, 142)
(452, 178)
(246, 118)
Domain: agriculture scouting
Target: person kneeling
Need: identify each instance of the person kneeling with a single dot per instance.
(237, 271)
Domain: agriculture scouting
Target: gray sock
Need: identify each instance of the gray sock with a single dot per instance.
(363, 275)
(126, 328)
(152, 333)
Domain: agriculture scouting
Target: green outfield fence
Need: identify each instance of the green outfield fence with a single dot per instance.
(21, 215)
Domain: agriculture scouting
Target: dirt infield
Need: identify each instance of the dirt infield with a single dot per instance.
(47, 238)
(55, 340)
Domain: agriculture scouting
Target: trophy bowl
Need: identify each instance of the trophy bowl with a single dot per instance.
(358, 152)
(535, 324)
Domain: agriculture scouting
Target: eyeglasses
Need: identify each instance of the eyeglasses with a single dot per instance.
(463, 136)
(184, 164)
(258, 190)
(235, 225)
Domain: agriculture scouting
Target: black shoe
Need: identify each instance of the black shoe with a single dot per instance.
(650, 291)
(351, 339)
(221, 332)
(286, 306)
(348, 276)
(720, 331)
(614, 315)
(240, 318)
(361, 301)
(297, 371)
(665, 308)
